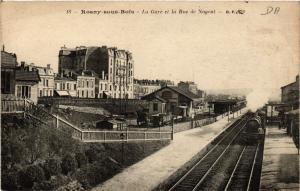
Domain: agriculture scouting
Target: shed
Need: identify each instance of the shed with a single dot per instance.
(111, 124)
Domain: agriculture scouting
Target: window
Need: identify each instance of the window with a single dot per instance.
(155, 107)
(100, 86)
(105, 86)
(82, 93)
(56, 86)
(74, 86)
(41, 93)
(50, 94)
(92, 93)
(110, 70)
(24, 91)
(47, 83)
(63, 86)
(5, 82)
(92, 84)
(68, 86)
(87, 84)
(110, 87)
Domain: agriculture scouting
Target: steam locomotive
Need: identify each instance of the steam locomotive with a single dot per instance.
(254, 128)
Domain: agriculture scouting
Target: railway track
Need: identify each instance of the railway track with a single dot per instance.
(229, 165)
(195, 176)
(242, 175)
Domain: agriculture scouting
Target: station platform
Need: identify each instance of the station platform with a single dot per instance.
(156, 168)
(280, 170)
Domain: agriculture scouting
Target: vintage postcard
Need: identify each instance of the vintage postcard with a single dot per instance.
(142, 96)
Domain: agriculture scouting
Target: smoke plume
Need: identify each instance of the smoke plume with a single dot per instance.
(257, 99)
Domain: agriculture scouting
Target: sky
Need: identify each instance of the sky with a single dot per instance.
(216, 51)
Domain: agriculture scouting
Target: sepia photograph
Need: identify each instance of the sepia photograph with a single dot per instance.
(150, 96)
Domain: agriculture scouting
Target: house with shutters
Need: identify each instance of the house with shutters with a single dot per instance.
(26, 83)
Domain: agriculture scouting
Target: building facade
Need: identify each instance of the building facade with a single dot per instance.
(65, 86)
(8, 66)
(46, 85)
(188, 86)
(26, 83)
(290, 94)
(144, 86)
(86, 84)
(103, 89)
(178, 102)
(114, 66)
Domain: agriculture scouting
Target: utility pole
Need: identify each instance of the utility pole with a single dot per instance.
(228, 112)
(172, 121)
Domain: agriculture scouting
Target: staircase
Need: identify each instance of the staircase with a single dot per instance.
(37, 113)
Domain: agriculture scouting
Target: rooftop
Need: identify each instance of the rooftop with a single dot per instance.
(23, 75)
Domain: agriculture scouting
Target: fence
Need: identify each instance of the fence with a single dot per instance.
(88, 101)
(40, 114)
(12, 106)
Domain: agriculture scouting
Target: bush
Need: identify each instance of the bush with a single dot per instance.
(68, 164)
(52, 167)
(30, 175)
(9, 181)
(95, 152)
(44, 185)
(95, 173)
(81, 159)
(52, 184)
(81, 177)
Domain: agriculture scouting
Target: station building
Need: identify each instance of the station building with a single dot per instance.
(175, 101)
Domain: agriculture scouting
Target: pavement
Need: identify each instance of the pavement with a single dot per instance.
(156, 168)
(280, 170)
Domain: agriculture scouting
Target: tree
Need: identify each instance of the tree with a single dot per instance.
(9, 180)
(52, 167)
(81, 159)
(68, 164)
(30, 175)
(95, 152)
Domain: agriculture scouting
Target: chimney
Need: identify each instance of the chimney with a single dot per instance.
(22, 64)
(48, 66)
(3, 48)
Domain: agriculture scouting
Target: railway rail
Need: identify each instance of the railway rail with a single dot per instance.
(229, 165)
